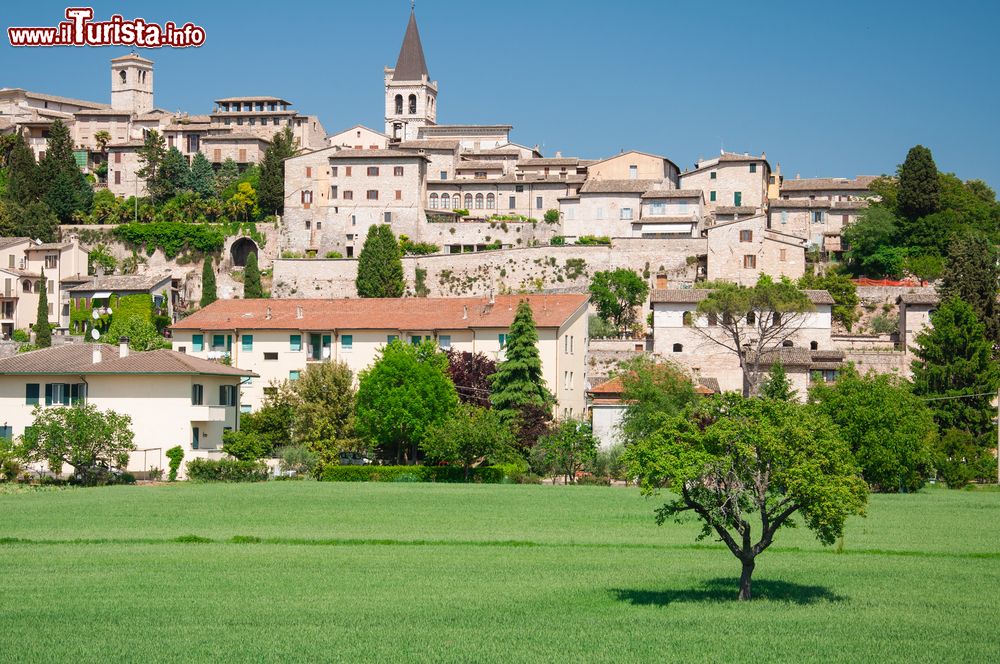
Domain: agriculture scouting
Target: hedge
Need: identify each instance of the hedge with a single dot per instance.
(483, 475)
(226, 470)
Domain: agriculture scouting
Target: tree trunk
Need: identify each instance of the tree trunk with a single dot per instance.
(748, 566)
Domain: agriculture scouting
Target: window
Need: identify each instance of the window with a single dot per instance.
(568, 344)
(468, 201)
(434, 201)
(817, 216)
(373, 170)
(348, 195)
(749, 262)
(413, 104)
(397, 171)
(295, 342)
(195, 437)
(399, 195)
(197, 343)
(7, 432)
(633, 172)
(416, 339)
(626, 214)
(479, 201)
(751, 318)
(753, 168)
(746, 236)
(372, 194)
(737, 198)
(197, 394)
(446, 201)
(491, 201)
(502, 338)
(270, 357)
(227, 395)
(657, 209)
(293, 375)
(50, 262)
(333, 192)
(600, 213)
(118, 157)
(782, 255)
(399, 104)
(31, 392)
(678, 348)
(392, 337)
(244, 408)
(246, 342)
(711, 196)
(444, 175)
(346, 342)
(813, 345)
(26, 286)
(519, 188)
(306, 197)
(479, 175)
(784, 216)
(333, 170)
(347, 171)
(387, 217)
(787, 343)
(713, 175)
(309, 171)
(218, 341)
(567, 380)
(511, 203)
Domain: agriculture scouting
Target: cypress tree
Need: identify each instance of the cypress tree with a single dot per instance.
(271, 191)
(174, 174)
(380, 268)
(919, 186)
(208, 294)
(151, 156)
(228, 173)
(251, 279)
(972, 274)
(23, 183)
(518, 382)
(65, 187)
(43, 333)
(201, 177)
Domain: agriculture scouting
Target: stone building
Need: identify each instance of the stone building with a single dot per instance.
(818, 209)
(23, 262)
(731, 180)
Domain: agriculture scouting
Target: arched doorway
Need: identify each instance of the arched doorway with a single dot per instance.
(242, 248)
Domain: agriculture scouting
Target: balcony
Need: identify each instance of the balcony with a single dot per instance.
(208, 413)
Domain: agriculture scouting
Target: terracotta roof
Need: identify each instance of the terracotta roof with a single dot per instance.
(849, 205)
(918, 298)
(20, 273)
(45, 246)
(735, 156)
(429, 144)
(859, 183)
(798, 203)
(612, 387)
(131, 56)
(695, 295)
(381, 314)
(732, 209)
(592, 186)
(410, 65)
(78, 358)
(709, 385)
(56, 98)
(122, 282)
(242, 99)
(550, 161)
(673, 193)
(103, 111)
(478, 165)
(376, 154)
(11, 241)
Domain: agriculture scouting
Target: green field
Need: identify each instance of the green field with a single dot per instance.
(473, 573)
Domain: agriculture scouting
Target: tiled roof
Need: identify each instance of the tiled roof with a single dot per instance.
(46, 246)
(550, 161)
(673, 193)
(710, 385)
(78, 358)
(798, 204)
(131, 56)
(375, 154)
(126, 144)
(737, 157)
(381, 314)
(732, 209)
(617, 186)
(234, 136)
(55, 98)
(410, 65)
(11, 241)
(849, 205)
(859, 183)
(612, 387)
(122, 282)
(918, 298)
(242, 99)
(695, 295)
(478, 165)
(103, 111)
(429, 144)
(446, 128)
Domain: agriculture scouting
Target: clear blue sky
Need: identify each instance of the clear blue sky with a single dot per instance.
(826, 89)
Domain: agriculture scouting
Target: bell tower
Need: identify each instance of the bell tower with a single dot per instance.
(132, 84)
(410, 95)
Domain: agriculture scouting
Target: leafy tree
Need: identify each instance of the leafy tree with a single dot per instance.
(11, 459)
(469, 435)
(201, 177)
(404, 393)
(651, 390)
(176, 455)
(227, 175)
(274, 421)
(35, 221)
(23, 182)
(43, 331)
(245, 446)
(251, 279)
(973, 275)
(141, 332)
(843, 291)
(926, 267)
(870, 244)
(752, 322)
(151, 156)
(890, 430)
(954, 359)
(959, 460)
(616, 294)
(65, 188)
(737, 462)
(776, 385)
(323, 409)
(93, 442)
(518, 381)
(208, 293)
(919, 188)
(243, 204)
(272, 172)
(380, 268)
(174, 174)
(569, 448)
(470, 372)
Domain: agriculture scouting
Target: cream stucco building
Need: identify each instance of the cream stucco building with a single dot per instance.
(23, 262)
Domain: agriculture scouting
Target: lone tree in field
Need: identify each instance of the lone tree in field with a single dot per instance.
(252, 290)
(43, 331)
(208, 292)
(736, 462)
(753, 323)
(919, 185)
(616, 294)
(380, 268)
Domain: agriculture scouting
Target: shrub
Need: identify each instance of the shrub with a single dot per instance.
(245, 446)
(21, 336)
(485, 474)
(226, 470)
(461, 212)
(551, 216)
(333, 254)
(176, 455)
(298, 459)
(883, 324)
(593, 239)
(155, 474)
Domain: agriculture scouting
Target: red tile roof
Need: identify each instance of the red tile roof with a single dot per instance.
(78, 358)
(381, 314)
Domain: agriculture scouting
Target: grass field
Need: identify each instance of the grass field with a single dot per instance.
(478, 573)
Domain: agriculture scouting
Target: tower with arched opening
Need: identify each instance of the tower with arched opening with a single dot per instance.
(410, 94)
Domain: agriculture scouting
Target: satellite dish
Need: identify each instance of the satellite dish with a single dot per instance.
(95, 315)
(95, 335)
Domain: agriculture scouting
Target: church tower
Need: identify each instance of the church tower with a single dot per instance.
(410, 95)
(132, 84)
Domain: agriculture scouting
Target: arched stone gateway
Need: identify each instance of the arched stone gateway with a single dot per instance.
(242, 248)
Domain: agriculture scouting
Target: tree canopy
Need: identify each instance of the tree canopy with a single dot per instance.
(919, 188)
(323, 408)
(651, 391)
(616, 294)
(380, 268)
(568, 448)
(66, 190)
(973, 275)
(271, 192)
(469, 435)
(470, 372)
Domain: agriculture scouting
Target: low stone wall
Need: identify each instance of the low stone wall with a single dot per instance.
(880, 294)
(882, 362)
(864, 342)
(526, 269)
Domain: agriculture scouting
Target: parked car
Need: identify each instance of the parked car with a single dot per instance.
(354, 459)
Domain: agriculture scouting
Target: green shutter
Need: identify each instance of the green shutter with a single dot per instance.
(223, 401)
(198, 342)
(737, 198)
(31, 394)
(218, 340)
(711, 195)
(295, 342)
(229, 343)
(247, 340)
(347, 341)
(48, 394)
(65, 394)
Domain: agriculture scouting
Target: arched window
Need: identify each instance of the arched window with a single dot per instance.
(434, 201)
(413, 104)
(813, 345)
(122, 75)
(446, 201)
(479, 201)
(399, 104)
(678, 348)
(468, 201)
(26, 286)
(787, 343)
(491, 201)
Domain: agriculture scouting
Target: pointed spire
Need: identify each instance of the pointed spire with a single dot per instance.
(411, 66)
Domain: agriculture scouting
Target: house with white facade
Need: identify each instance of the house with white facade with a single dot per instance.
(23, 262)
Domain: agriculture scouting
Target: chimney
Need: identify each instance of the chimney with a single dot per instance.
(267, 313)
(122, 347)
(465, 312)
(558, 154)
(298, 312)
(97, 354)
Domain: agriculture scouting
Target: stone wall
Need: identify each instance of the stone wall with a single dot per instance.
(527, 269)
